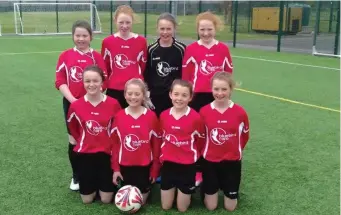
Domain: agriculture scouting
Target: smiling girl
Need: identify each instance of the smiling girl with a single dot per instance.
(227, 127)
(164, 63)
(89, 121)
(125, 54)
(183, 132)
(136, 140)
(69, 77)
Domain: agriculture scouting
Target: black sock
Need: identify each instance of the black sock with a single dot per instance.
(72, 158)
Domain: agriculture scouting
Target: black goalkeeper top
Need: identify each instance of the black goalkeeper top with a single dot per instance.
(164, 64)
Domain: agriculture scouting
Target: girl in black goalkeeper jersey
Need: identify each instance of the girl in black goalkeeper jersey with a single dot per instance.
(164, 63)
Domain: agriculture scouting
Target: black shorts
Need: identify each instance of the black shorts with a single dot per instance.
(137, 176)
(119, 96)
(224, 176)
(200, 100)
(180, 176)
(95, 173)
(161, 102)
(66, 106)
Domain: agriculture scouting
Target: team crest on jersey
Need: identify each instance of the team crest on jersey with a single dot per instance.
(122, 61)
(76, 74)
(93, 127)
(207, 68)
(219, 136)
(132, 142)
(173, 140)
(164, 69)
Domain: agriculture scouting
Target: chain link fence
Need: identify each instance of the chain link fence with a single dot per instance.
(294, 26)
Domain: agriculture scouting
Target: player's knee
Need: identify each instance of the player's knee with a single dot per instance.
(211, 206)
(166, 206)
(87, 200)
(230, 204)
(106, 200)
(182, 208)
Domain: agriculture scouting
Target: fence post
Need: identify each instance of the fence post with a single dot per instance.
(317, 24)
(249, 18)
(57, 17)
(145, 19)
(337, 36)
(170, 7)
(111, 18)
(200, 10)
(280, 26)
(330, 17)
(235, 12)
(93, 15)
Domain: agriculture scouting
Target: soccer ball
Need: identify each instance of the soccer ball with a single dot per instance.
(128, 199)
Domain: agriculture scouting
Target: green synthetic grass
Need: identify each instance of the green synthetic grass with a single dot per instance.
(291, 163)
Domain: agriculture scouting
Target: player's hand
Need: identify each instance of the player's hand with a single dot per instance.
(152, 180)
(116, 176)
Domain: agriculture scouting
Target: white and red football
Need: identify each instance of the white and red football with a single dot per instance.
(129, 199)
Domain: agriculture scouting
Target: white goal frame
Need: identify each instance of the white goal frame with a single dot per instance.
(18, 19)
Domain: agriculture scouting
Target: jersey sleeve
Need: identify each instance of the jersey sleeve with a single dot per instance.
(142, 57)
(115, 140)
(245, 131)
(156, 147)
(61, 71)
(106, 57)
(101, 64)
(73, 123)
(201, 137)
(188, 65)
(228, 66)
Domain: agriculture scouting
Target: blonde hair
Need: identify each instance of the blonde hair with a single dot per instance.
(224, 76)
(147, 103)
(126, 9)
(217, 22)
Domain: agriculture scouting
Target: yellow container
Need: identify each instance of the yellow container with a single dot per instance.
(267, 19)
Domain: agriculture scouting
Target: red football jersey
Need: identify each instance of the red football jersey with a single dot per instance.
(70, 66)
(90, 125)
(124, 59)
(226, 133)
(200, 64)
(183, 138)
(136, 142)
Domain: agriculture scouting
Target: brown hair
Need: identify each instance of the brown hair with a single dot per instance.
(144, 88)
(224, 76)
(82, 24)
(167, 16)
(218, 24)
(182, 83)
(126, 9)
(95, 68)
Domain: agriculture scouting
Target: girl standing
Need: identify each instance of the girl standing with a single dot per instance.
(69, 77)
(125, 54)
(164, 63)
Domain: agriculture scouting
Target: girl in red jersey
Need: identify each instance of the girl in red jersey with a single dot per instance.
(227, 127)
(125, 54)
(136, 140)
(69, 73)
(202, 59)
(183, 132)
(89, 121)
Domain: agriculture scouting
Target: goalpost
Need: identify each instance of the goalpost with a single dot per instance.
(327, 44)
(53, 18)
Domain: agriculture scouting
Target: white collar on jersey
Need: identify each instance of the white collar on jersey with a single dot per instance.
(200, 43)
(186, 113)
(230, 106)
(127, 111)
(134, 36)
(104, 98)
(80, 52)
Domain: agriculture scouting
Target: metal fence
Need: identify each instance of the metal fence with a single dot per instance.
(294, 26)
